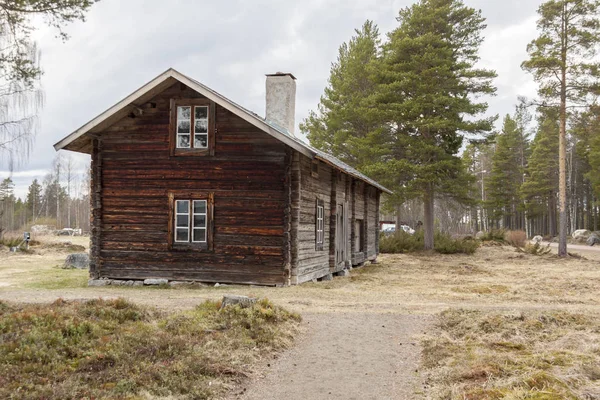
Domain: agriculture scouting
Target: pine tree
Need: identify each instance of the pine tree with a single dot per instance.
(541, 185)
(560, 61)
(428, 86)
(345, 114)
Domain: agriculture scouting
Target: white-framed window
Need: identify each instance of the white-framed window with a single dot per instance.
(199, 213)
(320, 225)
(190, 221)
(186, 119)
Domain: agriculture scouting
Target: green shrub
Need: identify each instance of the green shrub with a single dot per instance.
(494, 235)
(402, 242)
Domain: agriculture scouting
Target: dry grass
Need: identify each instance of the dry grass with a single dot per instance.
(548, 355)
(115, 349)
(516, 238)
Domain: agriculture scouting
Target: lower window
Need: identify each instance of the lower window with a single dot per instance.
(191, 221)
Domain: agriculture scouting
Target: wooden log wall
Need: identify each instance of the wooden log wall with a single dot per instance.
(247, 174)
(312, 263)
(334, 188)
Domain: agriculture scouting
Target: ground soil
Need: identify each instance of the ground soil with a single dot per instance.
(361, 332)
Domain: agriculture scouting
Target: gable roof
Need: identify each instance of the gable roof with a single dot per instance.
(79, 139)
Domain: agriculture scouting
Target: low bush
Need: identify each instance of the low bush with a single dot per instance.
(494, 235)
(113, 349)
(402, 242)
(535, 249)
(516, 238)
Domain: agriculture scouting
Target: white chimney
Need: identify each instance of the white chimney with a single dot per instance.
(281, 100)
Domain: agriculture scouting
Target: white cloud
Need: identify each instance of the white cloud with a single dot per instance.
(230, 46)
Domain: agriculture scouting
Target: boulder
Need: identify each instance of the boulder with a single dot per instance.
(78, 261)
(328, 277)
(479, 235)
(593, 239)
(538, 239)
(98, 282)
(343, 272)
(232, 299)
(581, 235)
(153, 282)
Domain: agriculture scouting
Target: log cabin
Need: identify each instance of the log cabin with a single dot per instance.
(188, 185)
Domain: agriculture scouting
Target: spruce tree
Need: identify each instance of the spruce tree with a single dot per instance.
(561, 62)
(428, 90)
(506, 173)
(33, 200)
(345, 116)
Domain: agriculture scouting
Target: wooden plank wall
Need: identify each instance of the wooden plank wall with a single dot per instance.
(248, 178)
(312, 263)
(362, 203)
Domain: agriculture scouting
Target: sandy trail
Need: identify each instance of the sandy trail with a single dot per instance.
(346, 356)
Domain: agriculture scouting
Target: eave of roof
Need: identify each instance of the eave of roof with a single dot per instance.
(267, 126)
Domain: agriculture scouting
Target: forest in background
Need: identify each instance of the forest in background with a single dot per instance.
(60, 200)
(410, 111)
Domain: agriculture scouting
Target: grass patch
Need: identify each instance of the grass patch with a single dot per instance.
(402, 242)
(534, 355)
(59, 278)
(113, 349)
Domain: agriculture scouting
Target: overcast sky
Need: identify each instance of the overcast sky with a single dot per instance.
(230, 46)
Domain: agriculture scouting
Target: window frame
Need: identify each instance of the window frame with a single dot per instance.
(190, 244)
(209, 150)
(319, 224)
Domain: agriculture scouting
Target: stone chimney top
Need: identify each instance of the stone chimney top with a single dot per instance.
(281, 100)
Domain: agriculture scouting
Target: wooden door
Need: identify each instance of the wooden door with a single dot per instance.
(341, 236)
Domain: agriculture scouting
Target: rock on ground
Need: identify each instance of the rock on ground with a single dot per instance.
(98, 282)
(158, 281)
(581, 235)
(593, 240)
(77, 260)
(537, 239)
(232, 299)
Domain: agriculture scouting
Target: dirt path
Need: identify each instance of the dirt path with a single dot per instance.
(346, 356)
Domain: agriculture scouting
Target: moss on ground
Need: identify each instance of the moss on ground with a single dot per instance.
(114, 349)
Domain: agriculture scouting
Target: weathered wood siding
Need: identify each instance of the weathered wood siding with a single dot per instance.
(247, 175)
(311, 263)
(334, 188)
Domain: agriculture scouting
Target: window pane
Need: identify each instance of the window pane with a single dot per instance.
(183, 126)
(200, 207)
(181, 235)
(201, 126)
(199, 235)
(199, 221)
(184, 112)
(200, 141)
(183, 221)
(183, 206)
(183, 141)
(201, 112)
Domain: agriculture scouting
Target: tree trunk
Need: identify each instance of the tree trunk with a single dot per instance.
(428, 214)
(562, 147)
(398, 220)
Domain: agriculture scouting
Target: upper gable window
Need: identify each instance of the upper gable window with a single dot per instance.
(193, 127)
